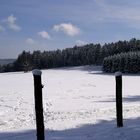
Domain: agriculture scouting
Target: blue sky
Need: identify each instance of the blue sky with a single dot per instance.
(51, 24)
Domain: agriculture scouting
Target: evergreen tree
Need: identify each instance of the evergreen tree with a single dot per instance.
(124, 62)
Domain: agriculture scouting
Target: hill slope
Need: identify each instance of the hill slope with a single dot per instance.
(6, 61)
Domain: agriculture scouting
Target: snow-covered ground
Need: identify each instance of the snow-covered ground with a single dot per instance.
(79, 104)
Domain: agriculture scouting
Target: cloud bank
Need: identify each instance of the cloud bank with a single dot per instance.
(125, 11)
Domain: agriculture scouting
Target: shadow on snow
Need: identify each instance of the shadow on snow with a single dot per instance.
(104, 130)
(88, 68)
(125, 99)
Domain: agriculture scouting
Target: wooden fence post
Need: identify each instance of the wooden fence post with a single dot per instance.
(38, 104)
(119, 112)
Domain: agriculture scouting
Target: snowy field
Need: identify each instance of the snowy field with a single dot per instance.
(79, 104)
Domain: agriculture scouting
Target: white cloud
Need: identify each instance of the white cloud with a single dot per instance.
(11, 19)
(67, 28)
(80, 42)
(11, 22)
(30, 41)
(44, 34)
(1, 28)
(14, 27)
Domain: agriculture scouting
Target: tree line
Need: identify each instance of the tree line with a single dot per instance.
(84, 55)
(125, 62)
(90, 54)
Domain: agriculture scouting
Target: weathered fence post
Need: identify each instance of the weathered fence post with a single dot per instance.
(119, 111)
(38, 104)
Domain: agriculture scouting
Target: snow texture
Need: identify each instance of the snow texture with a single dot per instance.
(79, 104)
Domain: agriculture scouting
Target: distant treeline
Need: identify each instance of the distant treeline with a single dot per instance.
(90, 54)
(6, 61)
